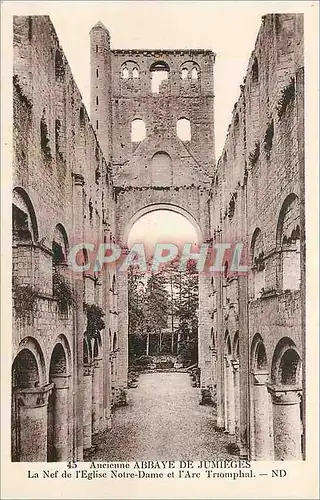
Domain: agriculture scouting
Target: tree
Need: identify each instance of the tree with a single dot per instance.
(136, 298)
(156, 307)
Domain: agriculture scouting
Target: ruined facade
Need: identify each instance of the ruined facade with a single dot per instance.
(258, 199)
(150, 145)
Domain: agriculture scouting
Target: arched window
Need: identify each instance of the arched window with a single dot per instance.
(258, 265)
(160, 168)
(159, 74)
(184, 129)
(190, 69)
(288, 242)
(194, 74)
(125, 73)
(138, 130)
(129, 69)
(184, 73)
(59, 245)
(24, 223)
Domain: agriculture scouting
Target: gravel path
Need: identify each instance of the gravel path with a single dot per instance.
(163, 421)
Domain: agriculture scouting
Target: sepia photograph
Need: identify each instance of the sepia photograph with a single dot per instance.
(158, 266)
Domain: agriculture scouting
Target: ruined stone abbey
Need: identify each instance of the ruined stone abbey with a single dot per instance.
(149, 145)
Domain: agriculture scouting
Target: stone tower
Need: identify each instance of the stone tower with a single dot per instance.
(100, 106)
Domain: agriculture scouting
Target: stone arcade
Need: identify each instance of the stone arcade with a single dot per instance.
(150, 145)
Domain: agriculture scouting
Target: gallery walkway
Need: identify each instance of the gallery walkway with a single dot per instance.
(162, 421)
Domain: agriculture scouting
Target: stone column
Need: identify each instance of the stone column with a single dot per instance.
(236, 383)
(87, 406)
(61, 418)
(78, 202)
(287, 427)
(96, 416)
(262, 448)
(122, 305)
(204, 328)
(33, 406)
(230, 398)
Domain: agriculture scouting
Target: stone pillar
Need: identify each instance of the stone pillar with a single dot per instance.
(287, 428)
(33, 406)
(87, 406)
(220, 358)
(236, 383)
(230, 398)
(122, 375)
(204, 328)
(262, 448)
(78, 202)
(96, 416)
(61, 418)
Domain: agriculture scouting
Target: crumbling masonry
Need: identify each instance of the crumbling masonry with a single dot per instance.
(150, 145)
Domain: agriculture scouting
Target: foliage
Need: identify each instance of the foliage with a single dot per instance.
(95, 321)
(62, 292)
(24, 300)
(287, 96)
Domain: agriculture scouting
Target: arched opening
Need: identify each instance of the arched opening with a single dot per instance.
(129, 70)
(184, 129)
(194, 74)
(24, 222)
(58, 448)
(286, 377)
(159, 76)
(25, 375)
(184, 73)
(125, 73)
(161, 170)
(289, 368)
(28, 404)
(190, 70)
(258, 264)
(261, 408)
(157, 325)
(288, 242)
(138, 130)
(59, 246)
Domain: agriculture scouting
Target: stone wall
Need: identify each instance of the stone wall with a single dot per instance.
(256, 201)
(62, 196)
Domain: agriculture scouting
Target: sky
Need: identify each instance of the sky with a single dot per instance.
(162, 226)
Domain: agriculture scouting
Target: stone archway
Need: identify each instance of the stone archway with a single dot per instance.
(58, 406)
(29, 404)
(261, 448)
(161, 206)
(285, 390)
(198, 217)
